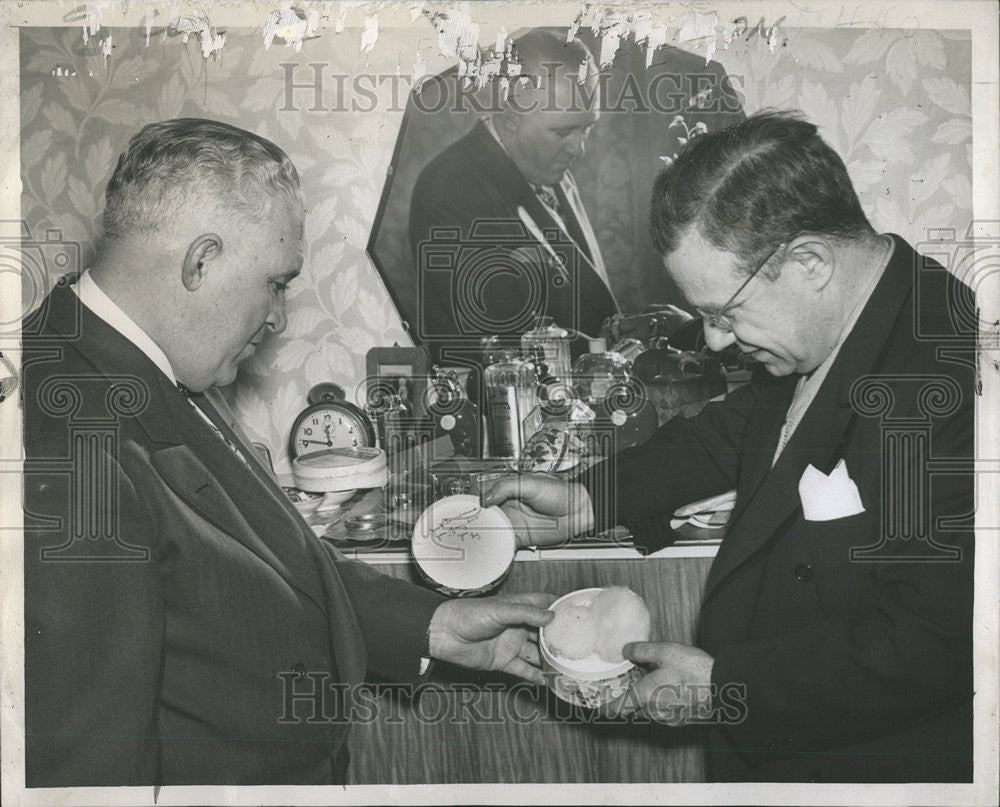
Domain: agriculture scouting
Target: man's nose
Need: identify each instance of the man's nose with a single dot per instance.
(278, 318)
(717, 339)
(577, 146)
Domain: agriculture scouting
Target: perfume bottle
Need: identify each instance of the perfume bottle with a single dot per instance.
(554, 342)
(511, 394)
(453, 414)
(604, 381)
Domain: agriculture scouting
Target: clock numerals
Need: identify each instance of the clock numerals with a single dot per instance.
(331, 425)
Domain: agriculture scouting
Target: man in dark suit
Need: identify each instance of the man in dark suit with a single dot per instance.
(183, 624)
(835, 635)
(482, 269)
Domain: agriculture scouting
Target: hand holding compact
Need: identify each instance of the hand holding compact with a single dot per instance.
(544, 510)
(494, 633)
(677, 691)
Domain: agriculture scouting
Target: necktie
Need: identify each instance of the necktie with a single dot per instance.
(548, 198)
(200, 405)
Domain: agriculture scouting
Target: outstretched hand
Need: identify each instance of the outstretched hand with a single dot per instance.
(495, 633)
(544, 510)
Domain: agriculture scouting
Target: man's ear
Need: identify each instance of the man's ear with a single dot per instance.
(815, 258)
(203, 249)
(523, 96)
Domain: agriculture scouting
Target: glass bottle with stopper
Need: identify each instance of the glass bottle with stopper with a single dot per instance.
(604, 381)
(554, 342)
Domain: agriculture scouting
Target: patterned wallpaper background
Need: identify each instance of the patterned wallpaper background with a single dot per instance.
(895, 104)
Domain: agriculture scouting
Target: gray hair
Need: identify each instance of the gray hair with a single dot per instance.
(173, 163)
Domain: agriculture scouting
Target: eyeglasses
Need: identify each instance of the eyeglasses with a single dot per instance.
(717, 320)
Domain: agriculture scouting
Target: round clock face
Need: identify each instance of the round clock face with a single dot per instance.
(331, 424)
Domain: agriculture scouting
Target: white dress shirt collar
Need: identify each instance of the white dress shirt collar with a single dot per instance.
(808, 385)
(92, 296)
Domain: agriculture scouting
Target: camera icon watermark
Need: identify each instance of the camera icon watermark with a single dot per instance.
(925, 419)
(495, 280)
(36, 264)
(973, 258)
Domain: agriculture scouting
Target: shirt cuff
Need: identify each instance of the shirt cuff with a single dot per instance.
(426, 662)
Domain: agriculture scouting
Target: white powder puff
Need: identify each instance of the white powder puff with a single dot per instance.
(621, 617)
(572, 634)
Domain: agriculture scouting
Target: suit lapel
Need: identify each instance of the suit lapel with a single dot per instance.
(591, 292)
(763, 429)
(572, 215)
(267, 526)
(219, 412)
(770, 497)
(190, 479)
(188, 456)
(583, 233)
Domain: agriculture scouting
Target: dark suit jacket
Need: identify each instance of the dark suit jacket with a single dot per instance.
(854, 668)
(469, 286)
(174, 600)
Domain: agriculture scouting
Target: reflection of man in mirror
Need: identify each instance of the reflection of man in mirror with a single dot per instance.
(506, 186)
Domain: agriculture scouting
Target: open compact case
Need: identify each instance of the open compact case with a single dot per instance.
(461, 548)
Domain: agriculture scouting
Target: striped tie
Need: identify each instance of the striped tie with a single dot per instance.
(548, 198)
(196, 398)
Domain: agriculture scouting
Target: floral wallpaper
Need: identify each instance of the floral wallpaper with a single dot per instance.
(894, 103)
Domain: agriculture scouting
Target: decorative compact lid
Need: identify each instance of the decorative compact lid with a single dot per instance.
(463, 547)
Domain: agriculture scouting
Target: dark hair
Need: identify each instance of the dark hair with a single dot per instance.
(752, 186)
(173, 162)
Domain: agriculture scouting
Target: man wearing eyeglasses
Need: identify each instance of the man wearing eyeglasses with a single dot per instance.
(834, 639)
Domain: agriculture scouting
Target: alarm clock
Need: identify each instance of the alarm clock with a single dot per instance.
(330, 421)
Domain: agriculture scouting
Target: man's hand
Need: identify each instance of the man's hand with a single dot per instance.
(544, 510)
(677, 691)
(496, 633)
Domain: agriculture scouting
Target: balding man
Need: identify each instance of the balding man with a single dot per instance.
(518, 158)
(183, 624)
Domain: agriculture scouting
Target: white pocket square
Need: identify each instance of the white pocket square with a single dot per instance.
(825, 498)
